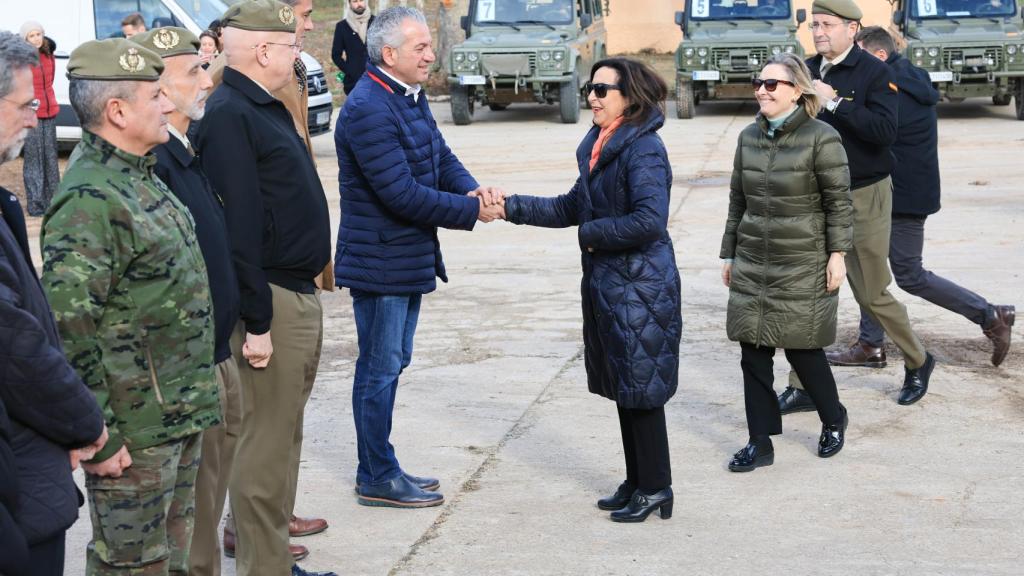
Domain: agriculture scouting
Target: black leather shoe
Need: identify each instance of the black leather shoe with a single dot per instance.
(750, 458)
(641, 505)
(795, 400)
(833, 436)
(618, 500)
(399, 493)
(298, 571)
(915, 383)
(424, 482)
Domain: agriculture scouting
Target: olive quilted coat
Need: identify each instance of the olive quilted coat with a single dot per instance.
(789, 208)
(631, 290)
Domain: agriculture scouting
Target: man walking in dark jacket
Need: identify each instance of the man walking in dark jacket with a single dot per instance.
(349, 49)
(52, 413)
(915, 181)
(399, 182)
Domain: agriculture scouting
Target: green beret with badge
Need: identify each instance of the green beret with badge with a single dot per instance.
(845, 9)
(259, 16)
(114, 59)
(169, 41)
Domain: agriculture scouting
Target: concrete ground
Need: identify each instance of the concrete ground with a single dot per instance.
(495, 402)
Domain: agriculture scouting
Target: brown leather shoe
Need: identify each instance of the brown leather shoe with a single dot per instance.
(998, 332)
(298, 527)
(298, 551)
(859, 354)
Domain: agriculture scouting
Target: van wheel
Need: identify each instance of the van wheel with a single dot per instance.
(462, 106)
(498, 107)
(684, 98)
(569, 100)
(1019, 97)
(1002, 99)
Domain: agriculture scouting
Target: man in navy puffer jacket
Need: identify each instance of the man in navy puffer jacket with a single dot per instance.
(399, 183)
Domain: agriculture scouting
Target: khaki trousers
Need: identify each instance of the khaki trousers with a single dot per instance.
(215, 469)
(265, 477)
(867, 270)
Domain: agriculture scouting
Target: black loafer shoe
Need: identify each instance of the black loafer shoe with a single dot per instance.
(424, 482)
(795, 400)
(398, 493)
(915, 383)
(298, 571)
(618, 500)
(641, 505)
(750, 458)
(833, 437)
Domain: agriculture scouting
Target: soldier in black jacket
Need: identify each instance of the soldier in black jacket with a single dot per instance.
(861, 98)
(915, 182)
(350, 41)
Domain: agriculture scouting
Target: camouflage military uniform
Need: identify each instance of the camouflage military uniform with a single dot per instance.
(126, 279)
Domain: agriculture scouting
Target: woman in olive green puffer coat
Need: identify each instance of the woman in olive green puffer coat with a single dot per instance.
(790, 223)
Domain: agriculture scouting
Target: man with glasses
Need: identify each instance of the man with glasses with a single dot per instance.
(860, 97)
(279, 228)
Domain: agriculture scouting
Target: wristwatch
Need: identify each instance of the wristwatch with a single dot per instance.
(832, 104)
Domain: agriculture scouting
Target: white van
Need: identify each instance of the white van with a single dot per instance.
(72, 22)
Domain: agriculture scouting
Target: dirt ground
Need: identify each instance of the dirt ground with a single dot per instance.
(495, 402)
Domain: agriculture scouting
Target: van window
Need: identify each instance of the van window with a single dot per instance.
(109, 13)
(203, 11)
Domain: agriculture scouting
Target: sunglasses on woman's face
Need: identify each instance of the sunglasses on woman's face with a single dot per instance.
(600, 90)
(770, 84)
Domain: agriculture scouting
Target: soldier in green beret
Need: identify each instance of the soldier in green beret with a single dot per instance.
(126, 278)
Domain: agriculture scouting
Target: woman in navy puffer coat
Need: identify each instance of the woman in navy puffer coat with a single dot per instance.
(631, 291)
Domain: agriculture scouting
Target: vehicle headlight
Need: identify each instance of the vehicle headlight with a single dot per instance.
(790, 49)
(918, 52)
(688, 52)
(1011, 49)
(559, 56)
(702, 51)
(545, 56)
(933, 51)
(460, 57)
(776, 49)
(473, 57)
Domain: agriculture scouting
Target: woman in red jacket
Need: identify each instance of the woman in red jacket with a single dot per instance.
(40, 169)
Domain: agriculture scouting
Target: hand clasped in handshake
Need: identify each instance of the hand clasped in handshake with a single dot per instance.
(492, 203)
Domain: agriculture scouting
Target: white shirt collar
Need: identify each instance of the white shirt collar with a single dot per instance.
(413, 90)
(263, 87)
(838, 59)
(181, 137)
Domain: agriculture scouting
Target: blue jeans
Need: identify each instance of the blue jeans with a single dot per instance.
(386, 324)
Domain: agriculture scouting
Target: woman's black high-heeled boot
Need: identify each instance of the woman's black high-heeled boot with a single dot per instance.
(618, 500)
(641, 505)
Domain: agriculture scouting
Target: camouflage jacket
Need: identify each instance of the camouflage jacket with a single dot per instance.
(127, 283)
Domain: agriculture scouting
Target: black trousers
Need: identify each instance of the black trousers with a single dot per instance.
(645, 442)
(46, 558)
(763, 416)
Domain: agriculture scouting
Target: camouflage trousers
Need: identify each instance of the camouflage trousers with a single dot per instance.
(142, 522)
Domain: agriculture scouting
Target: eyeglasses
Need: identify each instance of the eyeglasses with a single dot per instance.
(600, 90)
(296, 48)
(770, 84)
(31, 105)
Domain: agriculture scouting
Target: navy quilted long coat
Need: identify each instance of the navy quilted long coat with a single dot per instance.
(399, 182)
(630, 287)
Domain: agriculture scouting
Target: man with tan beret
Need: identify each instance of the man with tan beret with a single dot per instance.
(278, 222)
(186, 84)
(125, 275)
(861, 100)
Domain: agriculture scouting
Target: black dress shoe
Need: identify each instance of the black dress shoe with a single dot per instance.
(424, 482)
(795, 400)
(298, 571)
(398, 493)
(915, 383)
(833, 436)
(751, 458)
(641, 505)
(618, 500)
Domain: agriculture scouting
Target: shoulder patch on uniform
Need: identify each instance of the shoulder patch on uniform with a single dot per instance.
(893, 87)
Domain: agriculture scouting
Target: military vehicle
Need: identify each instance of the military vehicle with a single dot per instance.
(725, 45)
(526, 51)
(970, 48)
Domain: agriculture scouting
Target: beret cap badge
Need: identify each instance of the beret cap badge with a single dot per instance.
(165, 39)
(286, 15)
(131, 61)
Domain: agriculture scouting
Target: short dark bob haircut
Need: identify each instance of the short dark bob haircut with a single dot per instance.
(639, 84)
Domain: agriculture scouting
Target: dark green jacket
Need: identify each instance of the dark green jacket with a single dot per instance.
(789, 207)
(127, 283)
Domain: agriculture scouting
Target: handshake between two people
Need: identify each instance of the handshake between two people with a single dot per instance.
(492, 203)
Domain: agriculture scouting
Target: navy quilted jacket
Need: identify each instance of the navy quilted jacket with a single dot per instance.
(399, 182)
(631, 291)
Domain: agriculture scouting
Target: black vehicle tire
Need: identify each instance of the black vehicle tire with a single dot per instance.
(1003, 100)
(569, 100)
(498, 107)
(462, 106)
(1019, 97)
(685, 101)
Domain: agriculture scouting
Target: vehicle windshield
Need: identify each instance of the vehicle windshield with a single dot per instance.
(946, 9)
(524, 11)
(203, 12)
(739, 9)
